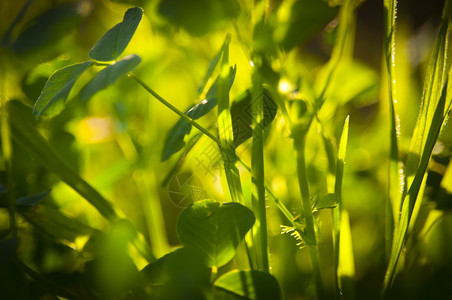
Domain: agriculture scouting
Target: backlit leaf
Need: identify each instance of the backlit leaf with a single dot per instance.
(214, 229)
(57, 89)
(112, 44)
(109, 75)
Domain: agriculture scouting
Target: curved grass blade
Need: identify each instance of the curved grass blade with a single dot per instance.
(250, 284)
(112, 44)
(214, 229)
(109, 75)
(57, 89)
(411, 197)
(424, 138)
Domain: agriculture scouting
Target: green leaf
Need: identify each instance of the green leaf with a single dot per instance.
(57, 89)
(183, 268)
(327, 201)
(212, 64)
(113, 43)
(175, 138)
(252, 284)
(32, 200)
(214, 229)
(109, 75)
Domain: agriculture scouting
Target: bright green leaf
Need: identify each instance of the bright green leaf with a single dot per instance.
(214, 229)
(109, 75)
(252, 284)
(113, 43)
(57, 89)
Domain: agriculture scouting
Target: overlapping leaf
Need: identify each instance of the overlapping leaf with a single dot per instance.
(110, 75)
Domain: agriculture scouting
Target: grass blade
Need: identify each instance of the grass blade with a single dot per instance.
(395, 172)
(343, 250)
(225, 129)
(423, 141)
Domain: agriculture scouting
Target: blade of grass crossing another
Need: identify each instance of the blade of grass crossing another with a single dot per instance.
(225, 129)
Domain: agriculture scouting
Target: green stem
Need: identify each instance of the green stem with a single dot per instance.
(257, 172)
(311, 240)
(175, 109)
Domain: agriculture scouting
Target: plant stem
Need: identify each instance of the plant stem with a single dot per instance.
(257, 172)
(174, 109)
(311, 240)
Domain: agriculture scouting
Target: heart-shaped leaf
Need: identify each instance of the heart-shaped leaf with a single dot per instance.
(109, 75)
(252, 284)
(113, 43)
(57, 89)
(214, 229)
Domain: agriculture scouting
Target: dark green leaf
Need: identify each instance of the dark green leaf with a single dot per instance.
(175, 138)
(307, 18)
(57, 89)
(214, 229)
(253, 285)
(32, 200)
(109, 75)
(181, 274)
(113, 43)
